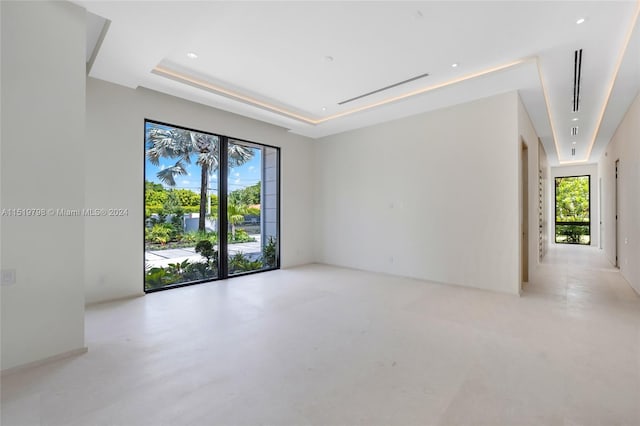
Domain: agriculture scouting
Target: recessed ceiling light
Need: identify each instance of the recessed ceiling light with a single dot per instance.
(324, 108)
(574, 119)
(454, 65)
(580, 21)
(192, 55)
(573, 143)
(328, 58)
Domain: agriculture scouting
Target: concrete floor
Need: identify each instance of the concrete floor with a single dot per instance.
(329, 346)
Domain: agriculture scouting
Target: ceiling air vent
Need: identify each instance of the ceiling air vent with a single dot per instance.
(577, 72)
(384, 88)
(573, 152)
(574, 131)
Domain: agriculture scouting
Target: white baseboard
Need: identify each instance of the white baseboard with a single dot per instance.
(23, 367)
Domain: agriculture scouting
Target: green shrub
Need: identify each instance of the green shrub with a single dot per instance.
(160, 233)
(240, 237)
(269, 253)
(205, 248)
(240, 263)
(159, 277)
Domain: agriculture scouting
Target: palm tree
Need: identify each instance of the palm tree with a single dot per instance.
(236, 213)
(180, 144)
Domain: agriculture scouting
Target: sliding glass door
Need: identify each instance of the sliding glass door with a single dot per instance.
(252, 207)
(190, 236)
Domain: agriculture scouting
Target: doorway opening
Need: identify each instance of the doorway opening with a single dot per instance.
(573, 207)
(524, 216)
(617, 201)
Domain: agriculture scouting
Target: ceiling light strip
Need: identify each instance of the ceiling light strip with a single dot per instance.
(234, 95)
(623, 51)
(546, 101)
(217, 89)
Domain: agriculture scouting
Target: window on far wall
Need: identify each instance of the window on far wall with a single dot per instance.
(187, 240)
(573, 205)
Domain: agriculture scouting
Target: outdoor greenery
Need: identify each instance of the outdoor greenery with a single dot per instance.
(572, 205)
(159, 200)
(186, 271)
(176, 273)
(269, 253)
(246, 196)
(185, 145)
(167, 208)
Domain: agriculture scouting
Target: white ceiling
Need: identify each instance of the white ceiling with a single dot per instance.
(268, 60)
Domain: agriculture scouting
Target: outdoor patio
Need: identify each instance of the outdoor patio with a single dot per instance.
(162, 258)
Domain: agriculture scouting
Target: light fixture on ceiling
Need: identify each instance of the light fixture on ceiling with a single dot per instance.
(574, 119)
(328, 58)
(574, 142)
(192, 55)
(580, 21)
(455, 65)
(324, 108)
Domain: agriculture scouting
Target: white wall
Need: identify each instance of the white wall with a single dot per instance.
(433, 196)
(545, 220)
(625, 146)
(43, 113)
(114, 177)
(528, 134)
(577, 170)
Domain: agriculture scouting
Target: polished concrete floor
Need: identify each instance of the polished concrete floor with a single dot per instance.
(329, 346)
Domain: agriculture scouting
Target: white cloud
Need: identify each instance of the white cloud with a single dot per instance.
(162, 167)
(252, 168)
(236, 174)
(237, 181)
(185, 182)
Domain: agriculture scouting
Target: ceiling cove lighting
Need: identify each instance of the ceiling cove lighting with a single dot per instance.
(546, 101)
(625, 45)
(202, 84)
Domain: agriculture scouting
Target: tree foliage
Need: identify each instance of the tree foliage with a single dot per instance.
(185, 146)
(249, 195)
(572, 199)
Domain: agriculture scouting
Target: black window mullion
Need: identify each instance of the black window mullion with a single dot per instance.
(223, 245)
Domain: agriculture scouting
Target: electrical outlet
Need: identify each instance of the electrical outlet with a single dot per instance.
(8, 276)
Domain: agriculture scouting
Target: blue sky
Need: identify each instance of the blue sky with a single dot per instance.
(239, 177)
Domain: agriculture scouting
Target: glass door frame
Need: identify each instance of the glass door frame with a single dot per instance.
(223, 195)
